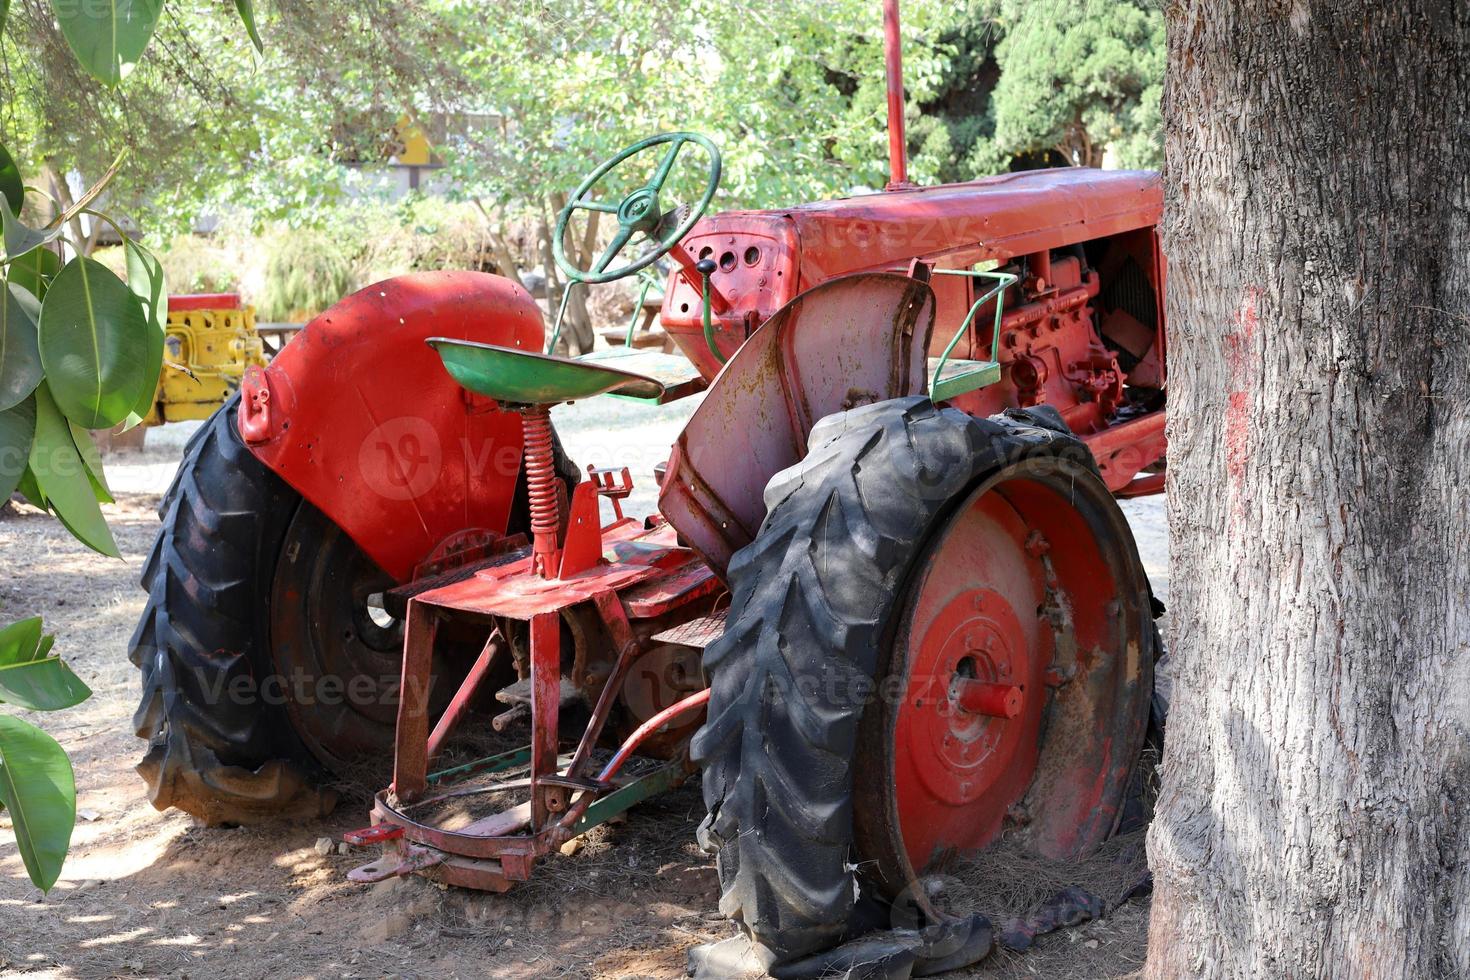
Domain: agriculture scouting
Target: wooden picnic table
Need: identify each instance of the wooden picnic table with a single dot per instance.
(280, 332)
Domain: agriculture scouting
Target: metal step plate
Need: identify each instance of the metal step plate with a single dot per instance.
(961, 377)
(697, 633)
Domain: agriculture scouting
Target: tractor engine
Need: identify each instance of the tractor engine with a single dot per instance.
(1050, 350)
(1081, 329)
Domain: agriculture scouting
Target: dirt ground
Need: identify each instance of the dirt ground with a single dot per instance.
(153, 894)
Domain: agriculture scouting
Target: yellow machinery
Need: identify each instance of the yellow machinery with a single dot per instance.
(211, 340)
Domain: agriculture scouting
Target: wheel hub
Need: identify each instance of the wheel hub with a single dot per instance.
(966, 734)
(971, 653)
(998, 633)
(335, 649)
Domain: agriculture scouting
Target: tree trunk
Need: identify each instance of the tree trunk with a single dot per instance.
(1315, 815)
(576, 328)
(62, 201)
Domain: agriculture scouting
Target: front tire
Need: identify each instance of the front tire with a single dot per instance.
(817, 602)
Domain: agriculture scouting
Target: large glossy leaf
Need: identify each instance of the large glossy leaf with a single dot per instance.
(62, 477)
(11, 186)
(94, 344)
(108, 36)
(31, 490)
(30, 677)
(20, 358)
(34, 270)
(39, 790)
(17, 429)
(247, 14)
(145, 279)
(20, 237)
(92, 460)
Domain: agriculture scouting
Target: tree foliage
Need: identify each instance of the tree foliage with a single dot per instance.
(1078, 77)
(1047, 83)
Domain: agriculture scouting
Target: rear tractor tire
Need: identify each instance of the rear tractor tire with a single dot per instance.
(268, 666)
(939, 634)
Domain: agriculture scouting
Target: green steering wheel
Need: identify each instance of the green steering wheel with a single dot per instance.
(639, 211)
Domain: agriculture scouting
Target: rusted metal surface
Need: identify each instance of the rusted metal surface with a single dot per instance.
(1122, 450)
(376, 834)
(358, 415)
(952, 225)
(582, 544)
(626, 649)
(679, 587)
(1055, 353)
(500, 847)
(850, 342)
(693, 702)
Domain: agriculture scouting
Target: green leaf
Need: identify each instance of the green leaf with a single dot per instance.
(62, 477)
(20, 237)
(92, 460)
(20, 358)
(247, 14)
(30, 677)
(31, 490)
(34, 271)
(23, 636)
(11, 185)
(145, 279)
(39, 790)
(108, 36)
(17, 429)
(94, 343)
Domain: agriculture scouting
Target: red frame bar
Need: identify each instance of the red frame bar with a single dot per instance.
(641, 733)
(466, 693)
(411, 758)
(545, 709)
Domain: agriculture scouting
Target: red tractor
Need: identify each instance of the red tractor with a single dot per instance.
(889, 609)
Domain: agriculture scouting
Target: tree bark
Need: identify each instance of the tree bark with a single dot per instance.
(1313, 820)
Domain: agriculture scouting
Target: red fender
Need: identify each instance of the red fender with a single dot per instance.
(847, 342)
(359, 416)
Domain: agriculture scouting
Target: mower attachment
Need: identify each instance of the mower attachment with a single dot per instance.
(627, 574)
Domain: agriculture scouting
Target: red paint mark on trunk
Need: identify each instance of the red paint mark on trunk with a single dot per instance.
(1239, 354)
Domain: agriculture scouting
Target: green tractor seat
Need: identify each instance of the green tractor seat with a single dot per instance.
(522, 377)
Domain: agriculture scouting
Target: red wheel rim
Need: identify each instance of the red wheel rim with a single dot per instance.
(1016, 648)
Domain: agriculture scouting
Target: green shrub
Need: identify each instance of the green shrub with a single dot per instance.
(306, 271)
(421, 234)
(192, 264)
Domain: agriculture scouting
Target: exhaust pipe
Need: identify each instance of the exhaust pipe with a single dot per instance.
(898, 164)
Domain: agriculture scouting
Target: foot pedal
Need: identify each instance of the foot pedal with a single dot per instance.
(396, 863)
(376, 834)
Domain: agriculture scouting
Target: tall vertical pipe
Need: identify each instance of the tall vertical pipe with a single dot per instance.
(898, 164)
